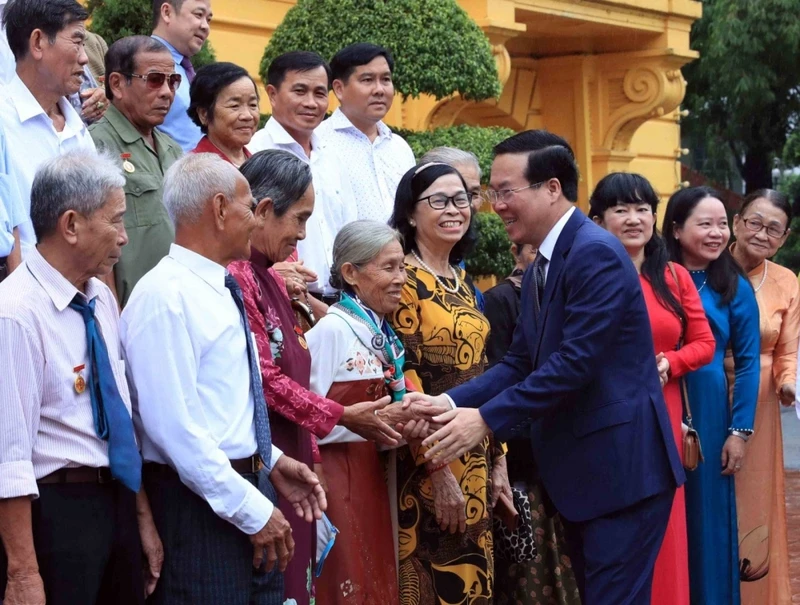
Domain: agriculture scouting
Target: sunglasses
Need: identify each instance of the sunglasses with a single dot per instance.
(156, 79)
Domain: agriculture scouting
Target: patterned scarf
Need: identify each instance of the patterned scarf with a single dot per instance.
(385, 343)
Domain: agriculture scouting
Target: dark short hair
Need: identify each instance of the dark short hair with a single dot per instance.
(723, 273)
(776, 198)
(278, 175)
(297, 60)
(22, 17)
(157, 4)
(411, 186)
(344, 62)
(121, 56)
(549, 157)
(209, 81)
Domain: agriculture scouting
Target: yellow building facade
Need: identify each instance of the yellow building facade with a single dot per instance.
(603, 74)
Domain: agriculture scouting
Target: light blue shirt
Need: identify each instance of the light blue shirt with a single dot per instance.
(178, 124)
(12, 208)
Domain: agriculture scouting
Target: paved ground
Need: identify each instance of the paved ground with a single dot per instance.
(791, 452)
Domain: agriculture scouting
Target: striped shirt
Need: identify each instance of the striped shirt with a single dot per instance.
(45, 423)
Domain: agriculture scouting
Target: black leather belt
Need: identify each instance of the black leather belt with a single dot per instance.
(80, 474)
(243, 466)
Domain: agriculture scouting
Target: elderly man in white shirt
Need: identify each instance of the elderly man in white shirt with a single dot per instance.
(297, 85)
(210, 465)
(70, 467)
(46, 37)
(376, 157)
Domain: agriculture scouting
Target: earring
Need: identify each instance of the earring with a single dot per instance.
(412, 223)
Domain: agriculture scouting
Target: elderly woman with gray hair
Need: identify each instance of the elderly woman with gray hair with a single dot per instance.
(355, 356)
(281, 186)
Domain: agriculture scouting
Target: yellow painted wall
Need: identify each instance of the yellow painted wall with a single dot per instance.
(604, 74)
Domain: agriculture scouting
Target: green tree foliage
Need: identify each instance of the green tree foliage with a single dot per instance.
(438, 49)
(743, 91)
(492, 253)
(477, 139)
(115, 19)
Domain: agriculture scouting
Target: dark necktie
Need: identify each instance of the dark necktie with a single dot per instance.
(538, 280)
(112, 421)
(263, 434)
(186, 63)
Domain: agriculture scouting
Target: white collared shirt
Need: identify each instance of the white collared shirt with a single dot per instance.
(45, 423)
(374, 168)
(548, 245)
(8, 66)
(32, 140)
(186, 351)
(334, 206)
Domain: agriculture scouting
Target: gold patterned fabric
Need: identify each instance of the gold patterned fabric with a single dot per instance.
(444, 335)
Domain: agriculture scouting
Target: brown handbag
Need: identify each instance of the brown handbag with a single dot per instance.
(692, 450)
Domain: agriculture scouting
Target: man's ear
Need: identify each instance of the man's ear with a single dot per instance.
(220, 209)
(338, 88)
(68, 226)
(37, 42)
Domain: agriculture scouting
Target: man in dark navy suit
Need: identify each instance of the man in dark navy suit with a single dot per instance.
(580, 377)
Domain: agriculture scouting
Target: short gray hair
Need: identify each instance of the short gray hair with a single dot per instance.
(359, 243)
(451, 156)
(279, 175)
(78, 180)
(193, 181)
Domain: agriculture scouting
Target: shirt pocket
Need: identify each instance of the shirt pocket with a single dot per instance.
(607, 415)
(143, 195)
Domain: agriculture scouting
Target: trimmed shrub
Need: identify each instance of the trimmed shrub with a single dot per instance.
(492, 254)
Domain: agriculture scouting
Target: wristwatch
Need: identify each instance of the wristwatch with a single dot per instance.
(744, 435)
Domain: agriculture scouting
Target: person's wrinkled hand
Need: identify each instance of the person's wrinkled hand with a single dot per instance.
(364, 419)
(24, 589)
(415, 397)
(500, 482)
(320, 473)
(663, 368)
(463, 429)
(448, 501)
(787, 394)
(415, 430)
(300, 487)
(732, 455)
(94, 104)
(394, 415)
(153, 552)
(296, 276)
(276, 539)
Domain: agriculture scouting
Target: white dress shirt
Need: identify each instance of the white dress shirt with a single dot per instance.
(186, 351)
(12, 213)
(548, 245)
(374, 168)
(45, 423)
(334, 206)
(32, 139)
(8, 65)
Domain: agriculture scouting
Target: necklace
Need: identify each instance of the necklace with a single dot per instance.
(705, 279)
(436, 277)
(763, 277)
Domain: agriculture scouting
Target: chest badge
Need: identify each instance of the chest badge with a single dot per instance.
(127, 166)
(80, 381)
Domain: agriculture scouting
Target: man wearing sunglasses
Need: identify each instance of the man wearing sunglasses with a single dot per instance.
(141, 82)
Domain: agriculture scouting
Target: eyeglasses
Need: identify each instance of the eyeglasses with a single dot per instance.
(495, 197)
(156, 79)
(755, 225)
(439, 201)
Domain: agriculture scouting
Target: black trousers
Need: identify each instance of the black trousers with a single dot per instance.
(207, 561)
(87, 545)
(614, 556)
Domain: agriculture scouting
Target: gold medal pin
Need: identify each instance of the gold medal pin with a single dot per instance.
(127, 166)
(80, 381)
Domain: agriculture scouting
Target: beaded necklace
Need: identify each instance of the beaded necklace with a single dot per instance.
(436, 277)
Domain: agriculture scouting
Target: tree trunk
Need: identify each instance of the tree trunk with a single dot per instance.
(757, 170)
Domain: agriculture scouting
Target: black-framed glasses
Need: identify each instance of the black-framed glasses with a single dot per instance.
(439, 201)
(156, 79)
(756, 224)
(495, 197)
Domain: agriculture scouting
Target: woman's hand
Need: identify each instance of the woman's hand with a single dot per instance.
(500, 483)
(449, 502)
(318, 471)
(732, 455)
(296, 276)
(663, 368)
(787, 394)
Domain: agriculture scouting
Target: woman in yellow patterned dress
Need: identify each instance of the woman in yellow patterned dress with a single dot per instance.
(444, 513)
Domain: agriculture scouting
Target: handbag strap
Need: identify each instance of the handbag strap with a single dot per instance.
(684, 390)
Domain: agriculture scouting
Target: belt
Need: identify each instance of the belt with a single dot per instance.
(80, 474)
(242, 466)
(328, 299)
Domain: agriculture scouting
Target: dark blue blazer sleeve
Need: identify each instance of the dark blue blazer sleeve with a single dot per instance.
(597, 289)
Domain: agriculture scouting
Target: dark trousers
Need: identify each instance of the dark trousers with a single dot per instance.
(207, 561)
(87, 545)
(614, 556)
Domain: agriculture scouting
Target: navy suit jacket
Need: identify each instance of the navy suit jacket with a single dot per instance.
(582, 378)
